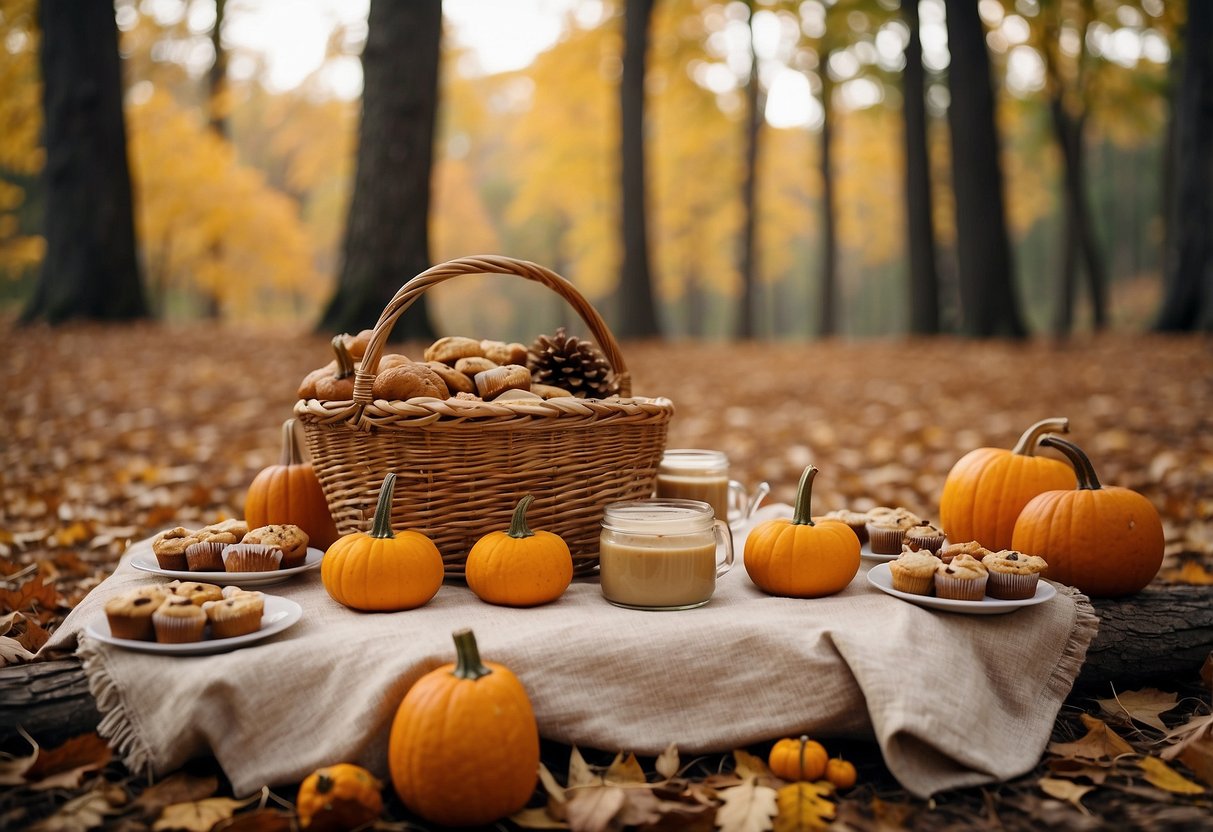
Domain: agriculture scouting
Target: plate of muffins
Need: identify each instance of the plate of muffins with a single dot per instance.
(186, 618)
(964, 578)
(231, 553)
(882, 531)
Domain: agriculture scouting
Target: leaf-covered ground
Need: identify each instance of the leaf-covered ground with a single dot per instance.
(108, 434)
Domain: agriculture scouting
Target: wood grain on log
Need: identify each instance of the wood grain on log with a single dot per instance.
(49, 700)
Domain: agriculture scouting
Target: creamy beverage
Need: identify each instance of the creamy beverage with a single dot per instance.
(711, 489)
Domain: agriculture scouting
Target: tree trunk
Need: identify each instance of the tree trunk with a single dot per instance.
(639, 318)
(924, 280)
(989, 306)
(1188, 299)
(749, 194)
(827, 317)
(91, 270)
(217, 77)
(386, 235)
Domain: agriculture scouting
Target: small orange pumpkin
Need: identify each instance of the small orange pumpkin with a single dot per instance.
(801, 558)
(985, 491)
(841, 773)
(519, 568)
(1105, 541)
(290, 492)
(338, 797)
(794, 760)
(382, 570)
(464, 746)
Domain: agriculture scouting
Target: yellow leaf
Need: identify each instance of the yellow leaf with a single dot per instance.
(804, 806)
(1065, 790)
(1162, 775)
(1198, 756)
(579, 771)
(199, 815)
(668, 763)
(625, 770)
(746, 808)
(536, 818)
(1141, 705)
(747, 765)
(1100, 742)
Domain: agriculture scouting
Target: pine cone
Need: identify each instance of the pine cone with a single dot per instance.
(572, 364)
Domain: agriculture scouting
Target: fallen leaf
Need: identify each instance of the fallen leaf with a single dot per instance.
(13, 651)
(1198, 756)
(199, 815)
(625, 770)
(1196, 729)
(88, 811)
(1191, 572)
(804, 806)
(747, 765)
(261, 820)
(178, 788)
(641, 808)
(747, 808)
(1100, 742)
(1094, 771)
(667, 764)
(580, 773)
(1164, 777)
(1206, 671)
(13, 767)
(550, 784)
(1143, 706)
(536, 818)
(33, 595)
(1065, 790)
(64, 767)
(592, 808)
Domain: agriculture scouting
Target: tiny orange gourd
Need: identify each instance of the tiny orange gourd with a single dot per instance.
(799, 759)
(290, 492)
(799, 557)
(1107, 541)
(337, 798)
(988, 487)
(382, 570)
(519, 567)
(464, 745)
(841, 773)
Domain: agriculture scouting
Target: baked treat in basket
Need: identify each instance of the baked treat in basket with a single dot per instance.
(450, 349)
(914, 571)
(197, 592)
(251, 557)
(130, 614)
(178, 621)
(169, 548)
(291, 539)
(924, 536)
(235, 616)
(407, 381)
(964, 579)
(1013, 575)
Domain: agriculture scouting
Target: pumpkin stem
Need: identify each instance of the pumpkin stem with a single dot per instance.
(1085, 471)
(802, 516)
(382, 524)
(467, 657)
(291, 454)
(804, 743)
(345, 361)
(1026, 446)
(324, 783)
(518, 527)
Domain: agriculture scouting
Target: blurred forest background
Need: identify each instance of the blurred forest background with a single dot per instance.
(798, 168)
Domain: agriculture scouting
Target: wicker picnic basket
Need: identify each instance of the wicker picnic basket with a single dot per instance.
(462, 465)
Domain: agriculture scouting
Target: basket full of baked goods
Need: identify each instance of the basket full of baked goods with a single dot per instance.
(472, 426)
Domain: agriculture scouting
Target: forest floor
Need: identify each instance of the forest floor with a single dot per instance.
(108, 434)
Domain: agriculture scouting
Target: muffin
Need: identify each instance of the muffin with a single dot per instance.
(235, 616)
(229, 591)
(914, 571)
(169, 548)
(1013, 575)
(970, 547)
(251, 557)
(924, 536)
(206, 556)
(198, 593)
(130, 614)
(964, 579)
(291, 540)
(235, 528)
(857, 520)
(178, 621)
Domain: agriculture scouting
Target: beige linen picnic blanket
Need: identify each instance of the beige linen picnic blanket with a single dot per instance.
(953, 700)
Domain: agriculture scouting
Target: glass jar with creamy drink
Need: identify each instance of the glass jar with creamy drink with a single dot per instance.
(695, 474)
(662, 554)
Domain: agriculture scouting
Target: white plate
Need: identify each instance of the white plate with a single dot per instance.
(880, 577)
(279, 614)
(865, 552)
(147, 563)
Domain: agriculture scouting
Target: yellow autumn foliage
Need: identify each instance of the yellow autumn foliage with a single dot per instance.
(20, 128)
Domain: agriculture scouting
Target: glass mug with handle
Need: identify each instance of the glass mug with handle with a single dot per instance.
(662, 554)
(696, 474)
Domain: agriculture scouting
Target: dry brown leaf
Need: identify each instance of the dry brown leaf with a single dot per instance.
(261, 820)
(1198, 756)
(625, 770)
(177, 788)
(64, 767)
(593, 808)
(12, 650)
(1066, 790)
(1164, 777)
(14, 767)
(580, 773)
(536, 818)
(34, 595)
(747, 765)
(1093, 770)
(199, 815)
(1190, 572)
(747, 808)
(88, 811)
(1143, 706)
(551, 785)
(1099, 742)
(1195, 730)
(641, 808)
(667, 764)
(804, 806)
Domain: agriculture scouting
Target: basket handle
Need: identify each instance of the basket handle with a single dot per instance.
(364, 378)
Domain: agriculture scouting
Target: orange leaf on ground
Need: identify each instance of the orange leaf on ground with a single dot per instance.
(1100, 742)
(65, 766)
(34, 595)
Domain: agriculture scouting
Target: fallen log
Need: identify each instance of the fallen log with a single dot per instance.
(1162, 632)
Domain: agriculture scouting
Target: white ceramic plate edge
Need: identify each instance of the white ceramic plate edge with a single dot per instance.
(280, 613)
(147, 563)
(880, 577)
(865, 552)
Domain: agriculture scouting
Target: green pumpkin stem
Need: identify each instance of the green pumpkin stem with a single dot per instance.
(1027, 444)
(1083, 469)
(802, 516)
(518, 527)
(345, 361)
(467, 657)
(291, 455)
(382, 524)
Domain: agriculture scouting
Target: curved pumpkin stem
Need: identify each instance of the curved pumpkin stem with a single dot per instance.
(291, 454)
(518, 527)
(1026, 446)
(382, 524)
(802, 516)
(467, 657)
(1085, 471)
(345, 361)
(804, 743)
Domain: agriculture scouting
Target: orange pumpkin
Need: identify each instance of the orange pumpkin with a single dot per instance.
(840, 773)
(801, 558)
(290, 492)
(1105, 541)
(382, 570)
(802, 759)
(338, 797)
(464, 746)
(985, 491)
(519, 568)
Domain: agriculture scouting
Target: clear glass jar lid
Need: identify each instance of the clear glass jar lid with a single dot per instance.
(658, 516)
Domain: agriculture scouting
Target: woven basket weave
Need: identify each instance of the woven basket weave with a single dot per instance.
(462, 465)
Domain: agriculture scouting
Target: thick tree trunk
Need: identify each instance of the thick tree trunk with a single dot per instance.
(639, 318)
(1188, 300)
(387, 235)
(989, 306)
(749, 195)
(924, 280)
(90, 270)
(827, 312)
